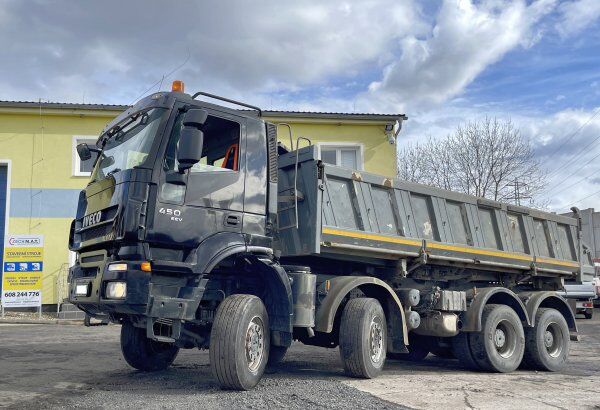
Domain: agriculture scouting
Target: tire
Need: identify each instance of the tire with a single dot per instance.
(550, 327)
(276, 355)
(589, 313)
(363, 338)
(239, 342)
(145, 354)
(461, 347)
(500, 345)
(418, 349)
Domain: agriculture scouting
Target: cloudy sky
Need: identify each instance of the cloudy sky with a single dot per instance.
(442, 62)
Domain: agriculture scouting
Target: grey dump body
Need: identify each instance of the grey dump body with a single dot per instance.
(344, 213)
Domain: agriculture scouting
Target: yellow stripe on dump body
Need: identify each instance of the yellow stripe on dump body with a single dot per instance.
(454, 248)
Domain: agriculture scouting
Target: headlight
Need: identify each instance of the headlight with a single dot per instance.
(117, 267)
(116, 290)
(82, 289)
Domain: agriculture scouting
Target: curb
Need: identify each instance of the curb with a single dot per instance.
(41, 322)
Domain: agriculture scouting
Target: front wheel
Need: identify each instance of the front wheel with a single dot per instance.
(547, 343)
(143, 353)
(500, 345)
(239, 342)
(363, 338)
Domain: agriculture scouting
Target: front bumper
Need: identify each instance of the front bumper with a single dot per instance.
(147, 295)
(95, 275)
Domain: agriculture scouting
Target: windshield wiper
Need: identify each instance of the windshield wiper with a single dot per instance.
(114, 171)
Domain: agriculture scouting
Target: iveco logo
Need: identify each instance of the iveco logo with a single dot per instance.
(92, 219)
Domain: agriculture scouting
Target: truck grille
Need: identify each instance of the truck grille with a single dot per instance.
(96, 232)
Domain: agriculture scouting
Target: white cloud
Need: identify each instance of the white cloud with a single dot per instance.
(245, 47)
(466, 39)
(577, 15)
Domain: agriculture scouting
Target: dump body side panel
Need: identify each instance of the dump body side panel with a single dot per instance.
(361, 214)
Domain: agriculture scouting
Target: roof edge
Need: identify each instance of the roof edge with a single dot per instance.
(267, 113)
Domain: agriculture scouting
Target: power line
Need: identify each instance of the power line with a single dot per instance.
(578, 182)
(573, 158)
(570, 137)
(574, 172)
(586, 197)
(164, 77)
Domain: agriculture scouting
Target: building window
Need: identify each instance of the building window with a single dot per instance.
(83, 168)
(343, 155)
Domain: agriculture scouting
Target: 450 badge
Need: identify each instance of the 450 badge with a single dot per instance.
(174, 214)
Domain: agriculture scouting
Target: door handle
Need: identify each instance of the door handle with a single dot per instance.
(232, 220)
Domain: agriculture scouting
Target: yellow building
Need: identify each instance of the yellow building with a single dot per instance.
(41, 175)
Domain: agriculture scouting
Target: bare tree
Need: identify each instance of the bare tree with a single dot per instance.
(487, 158)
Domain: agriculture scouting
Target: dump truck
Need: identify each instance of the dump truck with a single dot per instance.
(198, 229)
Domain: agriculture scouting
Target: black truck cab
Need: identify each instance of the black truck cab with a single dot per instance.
(143, 214)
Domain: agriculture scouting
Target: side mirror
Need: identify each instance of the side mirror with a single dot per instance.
(195, 118)
(191, 139)
(190, 147)
(84, 151)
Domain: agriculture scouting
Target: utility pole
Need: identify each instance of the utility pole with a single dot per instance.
(518, 195)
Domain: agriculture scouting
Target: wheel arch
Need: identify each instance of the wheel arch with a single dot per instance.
(341, 286)
(495, 295)
(214, 249)
(278, 298)
(549, 299)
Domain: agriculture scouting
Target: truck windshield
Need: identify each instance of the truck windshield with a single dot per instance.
(127, 145)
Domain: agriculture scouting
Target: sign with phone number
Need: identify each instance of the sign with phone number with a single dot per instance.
(30, 298)
(23, 265)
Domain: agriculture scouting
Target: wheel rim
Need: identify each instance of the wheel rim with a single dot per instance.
(255, 343)
(553, 339)
(505, 339)
(376, 340)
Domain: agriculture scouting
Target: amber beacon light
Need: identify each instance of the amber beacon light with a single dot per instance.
(177, 86)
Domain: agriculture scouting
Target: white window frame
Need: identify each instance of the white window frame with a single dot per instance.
(338, 146)
(76, 162)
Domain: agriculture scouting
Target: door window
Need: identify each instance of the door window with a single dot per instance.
(215, 181)
(220, 149)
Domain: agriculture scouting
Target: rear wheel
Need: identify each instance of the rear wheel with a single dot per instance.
(363, 338)
(589, 313)
(500, 345)
(461, 348)
(239, 342)
(143, 353)
(547, 343)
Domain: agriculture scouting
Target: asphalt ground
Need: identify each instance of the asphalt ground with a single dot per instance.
(52, 366)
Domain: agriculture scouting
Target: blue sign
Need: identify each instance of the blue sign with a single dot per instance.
(23, 266)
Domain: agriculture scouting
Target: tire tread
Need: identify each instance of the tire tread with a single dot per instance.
(351, 334)
(532, 358)
(227, 325)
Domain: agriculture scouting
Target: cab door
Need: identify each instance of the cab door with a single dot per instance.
(212, 199)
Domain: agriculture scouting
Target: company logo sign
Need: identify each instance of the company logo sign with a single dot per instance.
(24, 241)
(92, 219)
